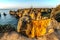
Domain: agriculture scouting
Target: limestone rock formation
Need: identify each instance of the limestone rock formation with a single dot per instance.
(12, 12)
(55, 15)
(27, 16)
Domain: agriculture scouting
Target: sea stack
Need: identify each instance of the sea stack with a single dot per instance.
(12, 12)
(0, 14)
(4, 14)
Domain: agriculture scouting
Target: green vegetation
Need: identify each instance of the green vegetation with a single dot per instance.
(45, 14)
(7, 28)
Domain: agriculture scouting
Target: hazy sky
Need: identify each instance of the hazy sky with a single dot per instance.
(28, 3)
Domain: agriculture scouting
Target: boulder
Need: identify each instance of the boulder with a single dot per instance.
(12, 12)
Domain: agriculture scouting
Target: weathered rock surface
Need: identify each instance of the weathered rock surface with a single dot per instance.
(16, 36)
(12, 12)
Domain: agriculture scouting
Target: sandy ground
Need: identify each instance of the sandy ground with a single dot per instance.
(16, 36)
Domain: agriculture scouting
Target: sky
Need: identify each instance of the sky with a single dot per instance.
(28, 3)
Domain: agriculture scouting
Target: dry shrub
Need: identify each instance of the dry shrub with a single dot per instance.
(6, 28)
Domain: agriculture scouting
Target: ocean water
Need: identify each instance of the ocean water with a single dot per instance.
(8, 19)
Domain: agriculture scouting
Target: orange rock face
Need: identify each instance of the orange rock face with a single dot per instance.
(39, 27)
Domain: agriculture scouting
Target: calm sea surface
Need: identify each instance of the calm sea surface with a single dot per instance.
(8, 19)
